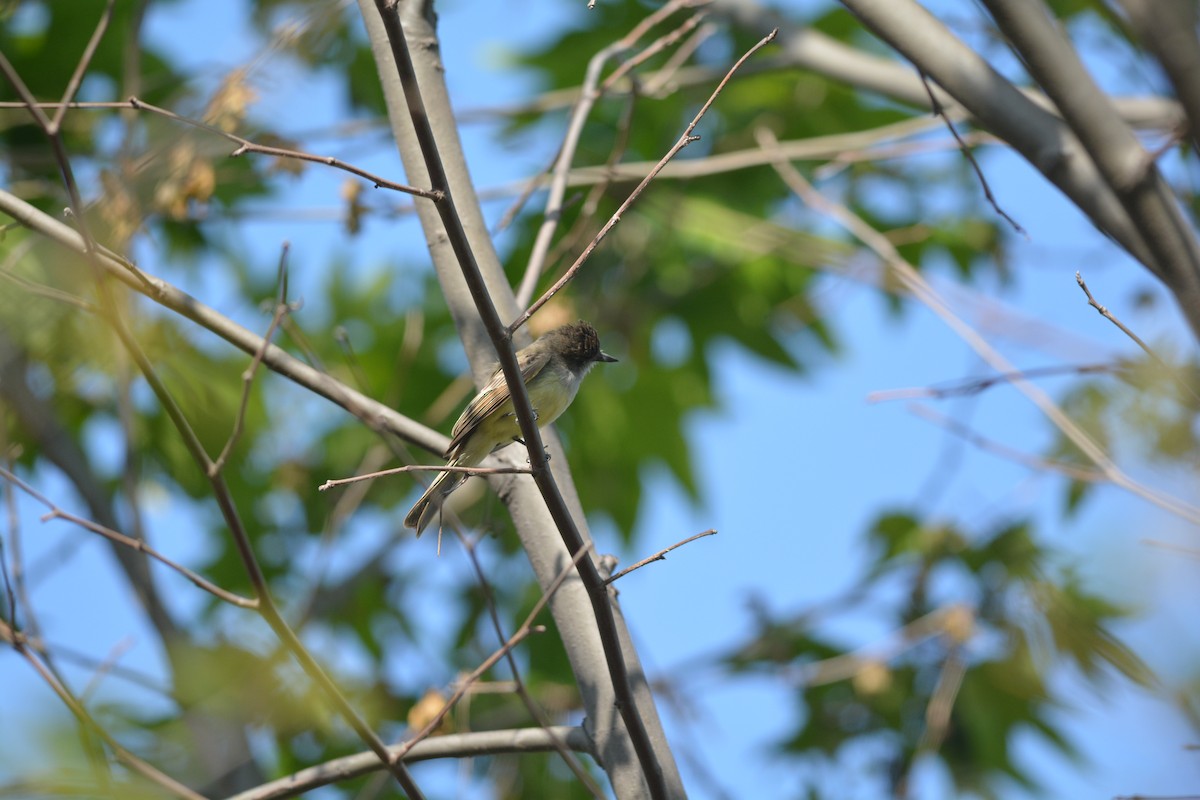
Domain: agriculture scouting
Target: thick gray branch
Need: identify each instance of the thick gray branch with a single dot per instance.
(813, 50)
(570, 605)
(1125, 165)
(1168, 29)
(1049, 144)
(1038, 135)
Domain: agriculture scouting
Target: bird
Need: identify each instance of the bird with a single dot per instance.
(552, 368)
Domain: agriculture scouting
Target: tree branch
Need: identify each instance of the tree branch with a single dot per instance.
(374, 413)
(1043, 139)
(456, 745)
(1122, 161)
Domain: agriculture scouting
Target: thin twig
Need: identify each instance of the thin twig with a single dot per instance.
(563, 574)
(653, 49)
(590, 93)
(968, 435)
(915, 283)
(105, 667)
(941, 702)
(143, 768)
(525, 629)
(847, 665)
(522, 691)
(84, 60)
(329, 484)
(247, 146)
(661, 555)
(1104, 312)
(128, 541)
(972, 386)
(67, 654)
(282, 308)
(1174, 548)
(571, 240)
(936, 105)
(683, 141)
(519, 636)
(658, 81)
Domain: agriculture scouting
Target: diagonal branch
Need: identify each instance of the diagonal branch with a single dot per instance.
(77, 76)
(684, 140)
(591, 92)
(247, 146)
(274, 357)
(146, 770)
(914, 283)
(266, 604)
(128, 541)
(1042, 138)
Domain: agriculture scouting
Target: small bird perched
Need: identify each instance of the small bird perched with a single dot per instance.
(551, 369)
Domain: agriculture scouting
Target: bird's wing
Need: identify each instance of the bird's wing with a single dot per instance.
(492, 396)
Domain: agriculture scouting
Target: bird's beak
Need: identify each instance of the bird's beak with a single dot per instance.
(605, 357)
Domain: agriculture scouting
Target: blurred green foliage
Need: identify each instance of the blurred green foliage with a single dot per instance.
(722, 259)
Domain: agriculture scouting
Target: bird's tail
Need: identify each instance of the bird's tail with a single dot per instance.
(431, 501)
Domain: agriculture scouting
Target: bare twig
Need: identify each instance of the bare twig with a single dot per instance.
(665, 77)
(653, 49)
(282, 308)
(520, 688)
(519, 636)
(941, 703)
(128, 541)
(105, 667)
(583, 222)
(127, 758)
(840, 667)
(1104, 312)
(684, 140)
(329, 484)
(1004, 451)
(913, 282)
(661, 555)
(67, 654)
(247, 146)
(590, 93)
(972, 386)
(525, 629)
(77, 76)
(1174, 548)
(936, 105)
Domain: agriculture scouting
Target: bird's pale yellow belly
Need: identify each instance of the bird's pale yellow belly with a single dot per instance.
(549, 400)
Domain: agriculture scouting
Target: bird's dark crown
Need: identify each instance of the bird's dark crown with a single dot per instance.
(581, 343)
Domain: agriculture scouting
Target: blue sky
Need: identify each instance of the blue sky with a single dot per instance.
(836, 457)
